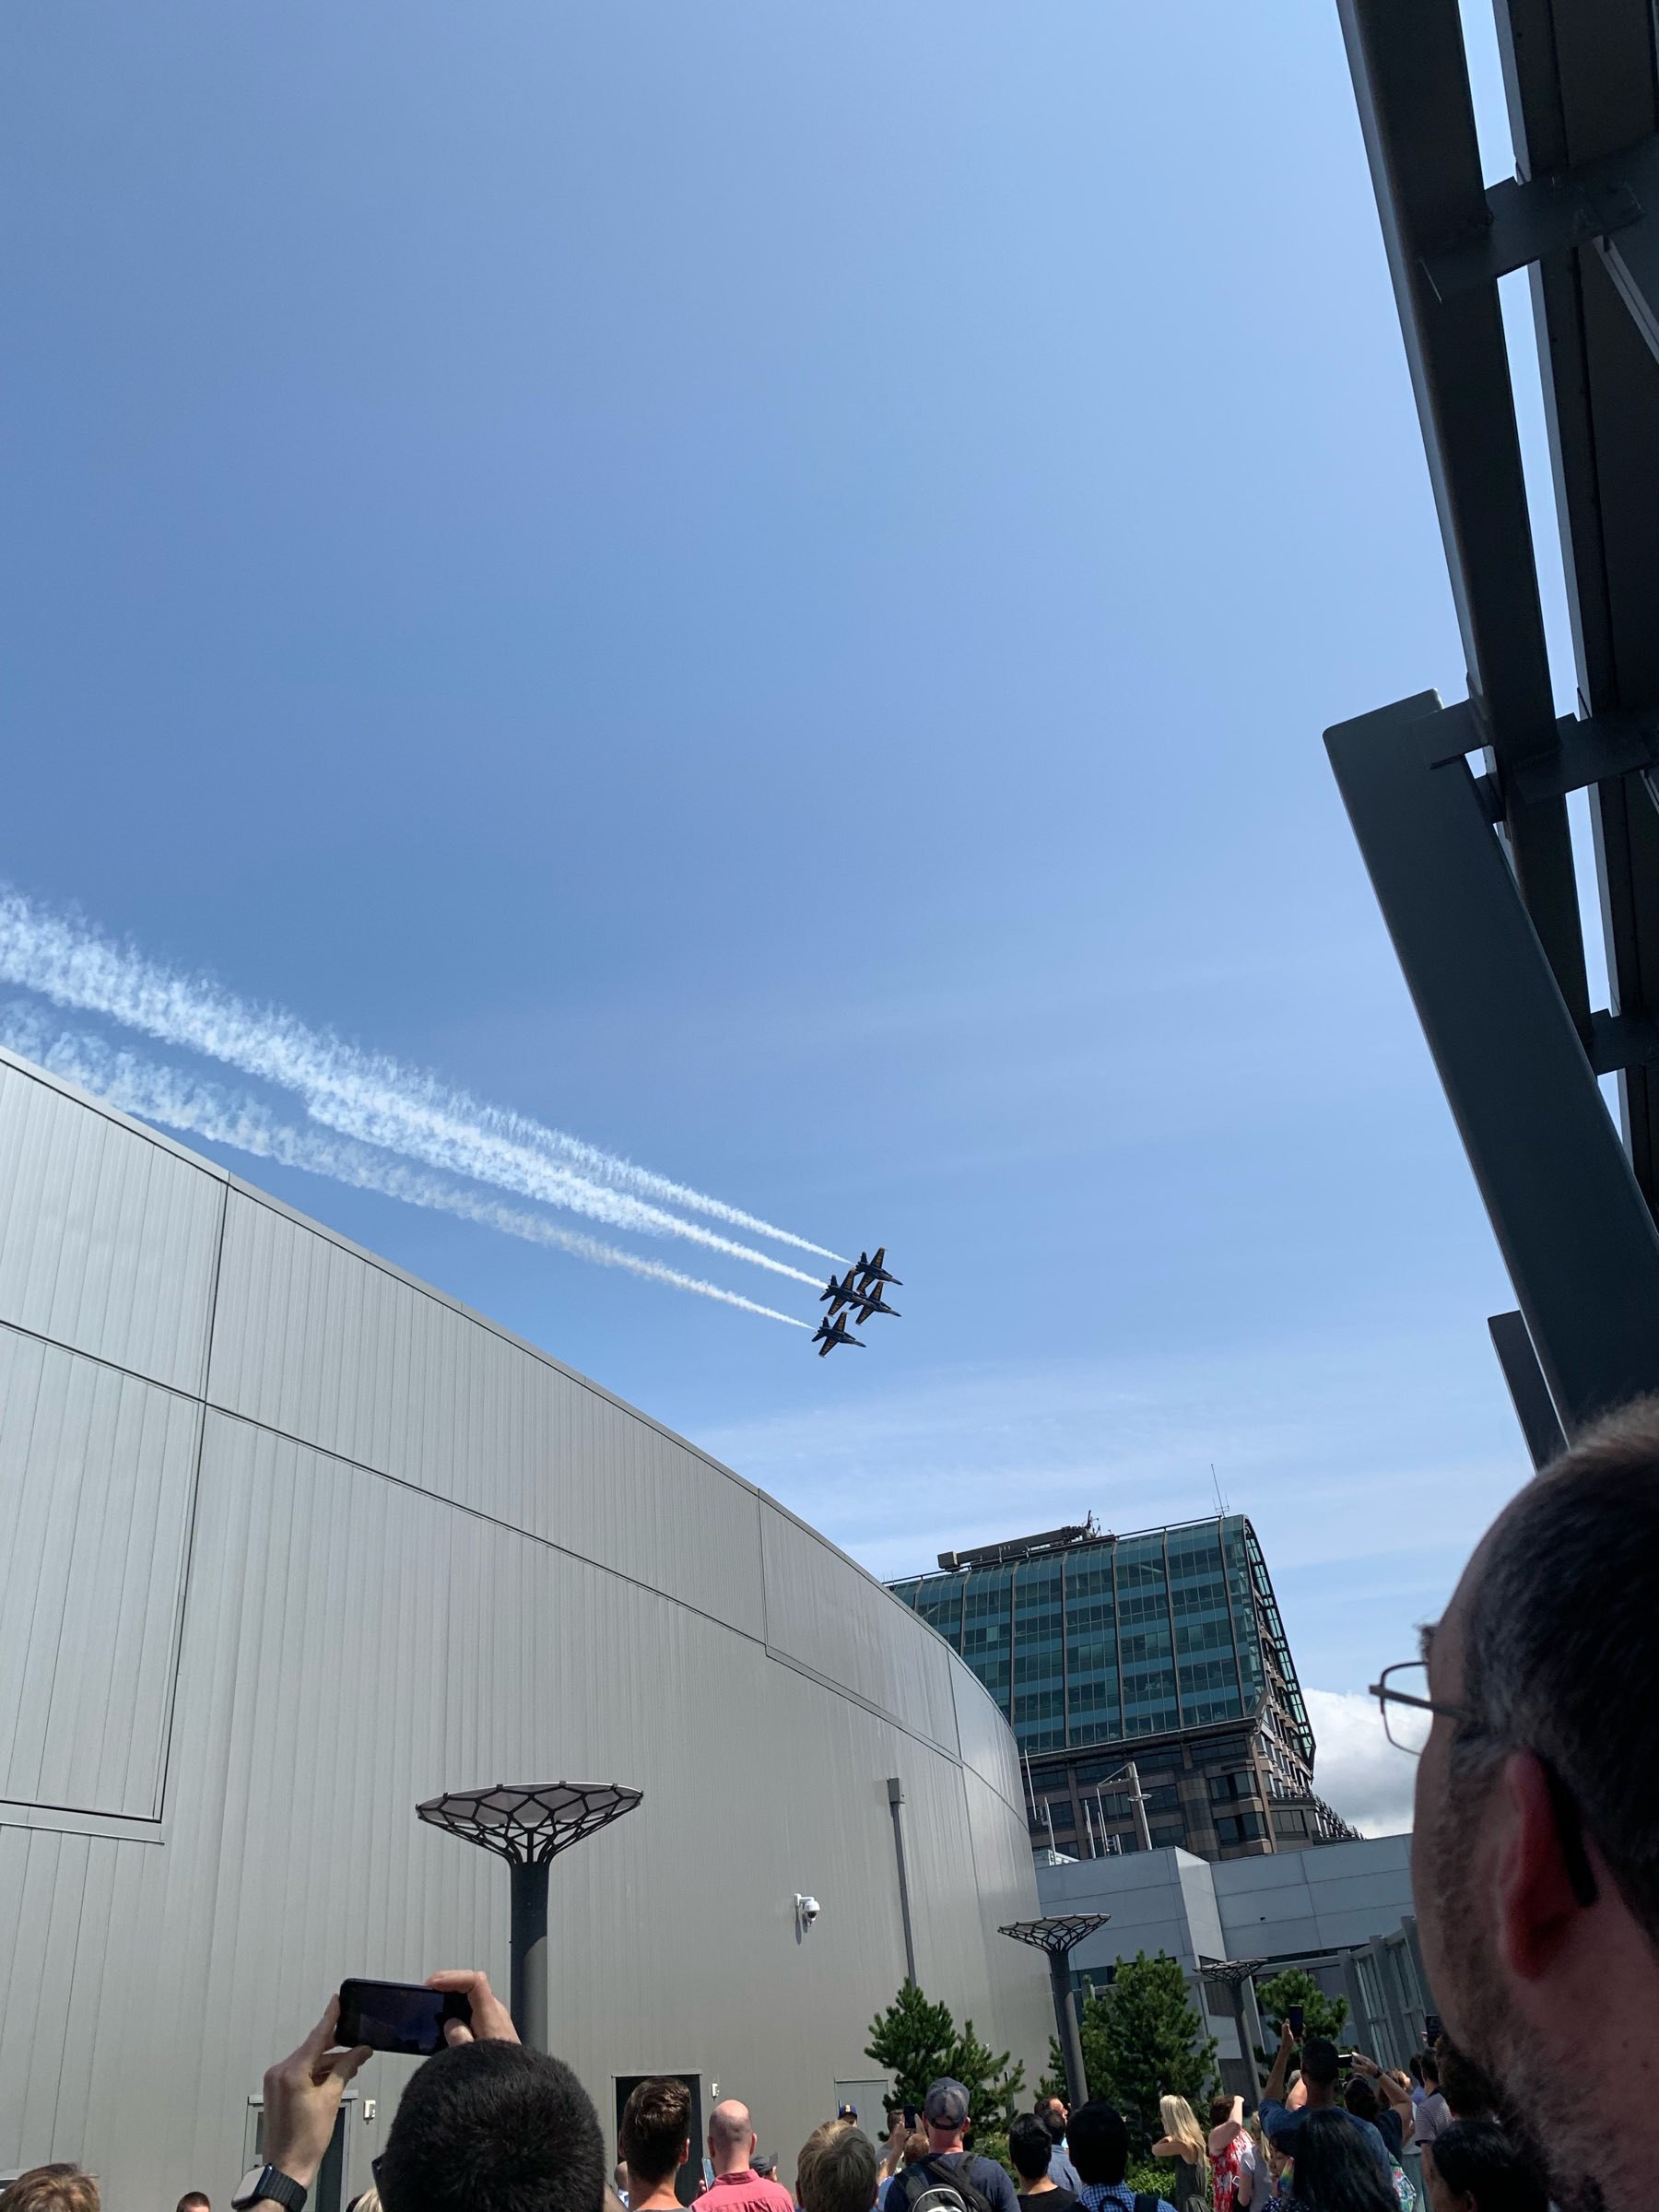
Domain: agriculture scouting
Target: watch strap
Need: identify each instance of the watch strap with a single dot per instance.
(272, 2186)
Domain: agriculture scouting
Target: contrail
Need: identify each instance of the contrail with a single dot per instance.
(168, 1095)
(364, 1095)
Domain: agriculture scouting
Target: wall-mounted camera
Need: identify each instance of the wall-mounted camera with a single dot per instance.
(807, 1911)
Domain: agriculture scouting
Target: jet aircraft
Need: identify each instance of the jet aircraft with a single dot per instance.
(875, 1271)
(828, 1335)
(846, 1292)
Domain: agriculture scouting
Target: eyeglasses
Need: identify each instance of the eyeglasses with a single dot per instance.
(1408, 1713)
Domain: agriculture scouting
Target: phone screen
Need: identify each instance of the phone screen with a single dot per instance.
(397, 2016)
(1295, 2015)
(708, 2173)
(1431, 2028)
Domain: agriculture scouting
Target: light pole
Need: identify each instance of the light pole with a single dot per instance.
(1059, 1937)
(1143, 1834)
(528, 1825)
(1235, 1973)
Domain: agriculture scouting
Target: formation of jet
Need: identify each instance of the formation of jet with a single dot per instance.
(859, 1292)
(828, 1338)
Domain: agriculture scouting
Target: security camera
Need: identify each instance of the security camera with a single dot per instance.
(807, 1911)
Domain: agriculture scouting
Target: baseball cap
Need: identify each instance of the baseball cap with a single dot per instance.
(947, 2103)
(846, 2111)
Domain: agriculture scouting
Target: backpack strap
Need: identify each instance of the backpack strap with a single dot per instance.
(1144, 2204)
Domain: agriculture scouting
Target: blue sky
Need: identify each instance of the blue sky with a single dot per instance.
(762, 584)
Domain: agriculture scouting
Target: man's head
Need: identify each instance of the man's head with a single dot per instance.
(1426, 2065)
(1030, 2146)
(1536, 1851)
(1053, 2110)
(493, 2127)
(1320, 2068)
(60, 2188)
(655, 2134)
(842, 2177)
(945, 2112)
(194, 2200)
(1220, 2111)
(1476, 2167)
(731, 2137)
(1361, 2098)
(1099, 2141)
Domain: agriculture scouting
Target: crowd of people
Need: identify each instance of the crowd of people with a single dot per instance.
(1536, 1886)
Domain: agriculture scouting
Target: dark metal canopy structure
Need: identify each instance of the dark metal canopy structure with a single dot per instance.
(1235, 1976)
(528, 1824)
(1471, 862)
(1059, 1936)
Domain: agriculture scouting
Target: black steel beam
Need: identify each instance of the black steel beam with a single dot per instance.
(1580, 1246)
(1582, 85)
(1411, 81)
(1529, 1394)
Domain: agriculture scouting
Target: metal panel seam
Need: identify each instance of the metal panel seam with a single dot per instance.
(159, 1800)
(475, 1512)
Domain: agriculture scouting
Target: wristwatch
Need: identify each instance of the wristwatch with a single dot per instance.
(269, 2184)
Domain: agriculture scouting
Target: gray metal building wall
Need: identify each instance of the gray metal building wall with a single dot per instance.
(292, 1541)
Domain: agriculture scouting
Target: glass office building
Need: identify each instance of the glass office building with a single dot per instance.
(1165, 1647)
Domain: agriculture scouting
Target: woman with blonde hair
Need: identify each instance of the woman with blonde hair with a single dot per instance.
(1184, 2141)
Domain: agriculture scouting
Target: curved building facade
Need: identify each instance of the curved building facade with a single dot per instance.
(292, 1542)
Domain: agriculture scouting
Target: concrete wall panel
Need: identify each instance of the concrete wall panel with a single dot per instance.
(108, 1235)
(96, 1475)
(315, 1341)
(830, 1616)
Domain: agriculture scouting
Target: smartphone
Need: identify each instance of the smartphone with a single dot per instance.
(708, 2173)
(1432, 2030)
(1295, 2019)
(397, 2016)
(912, 2118)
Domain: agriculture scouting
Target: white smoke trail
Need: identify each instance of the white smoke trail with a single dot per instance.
(368, 1096)
(179, 1100)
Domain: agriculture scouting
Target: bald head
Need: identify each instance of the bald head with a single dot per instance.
(731, 2137)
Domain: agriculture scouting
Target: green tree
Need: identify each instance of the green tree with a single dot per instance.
(917, 2042)
(995, 2089)
(913, 2041)
(1321, 2014)
(1142, 2039)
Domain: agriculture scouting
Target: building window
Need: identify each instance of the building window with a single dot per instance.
(1163, 1837)
(1240, 1828)
(1224, 1788)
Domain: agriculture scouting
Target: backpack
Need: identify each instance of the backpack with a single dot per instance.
(1403, 2189)
(948, 2189)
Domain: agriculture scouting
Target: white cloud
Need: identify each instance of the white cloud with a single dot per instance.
(1357, 1769)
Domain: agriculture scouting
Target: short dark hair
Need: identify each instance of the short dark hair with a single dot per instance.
(1336, 2172)
(1428, 2066)
(1030, 2146)
(492, 2127)
(1099, 2140)
(195, 2200)
(1475, 2157)
(1051, 2113)
(1552, 1618)
(656, 2126)
(842, 2176)
(1320, 2063)
(1361, 2098)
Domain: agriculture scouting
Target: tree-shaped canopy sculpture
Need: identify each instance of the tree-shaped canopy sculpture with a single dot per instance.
(528, 1825)
(1058, 1936)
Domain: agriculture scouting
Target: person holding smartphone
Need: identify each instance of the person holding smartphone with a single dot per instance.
(1321, 2070)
